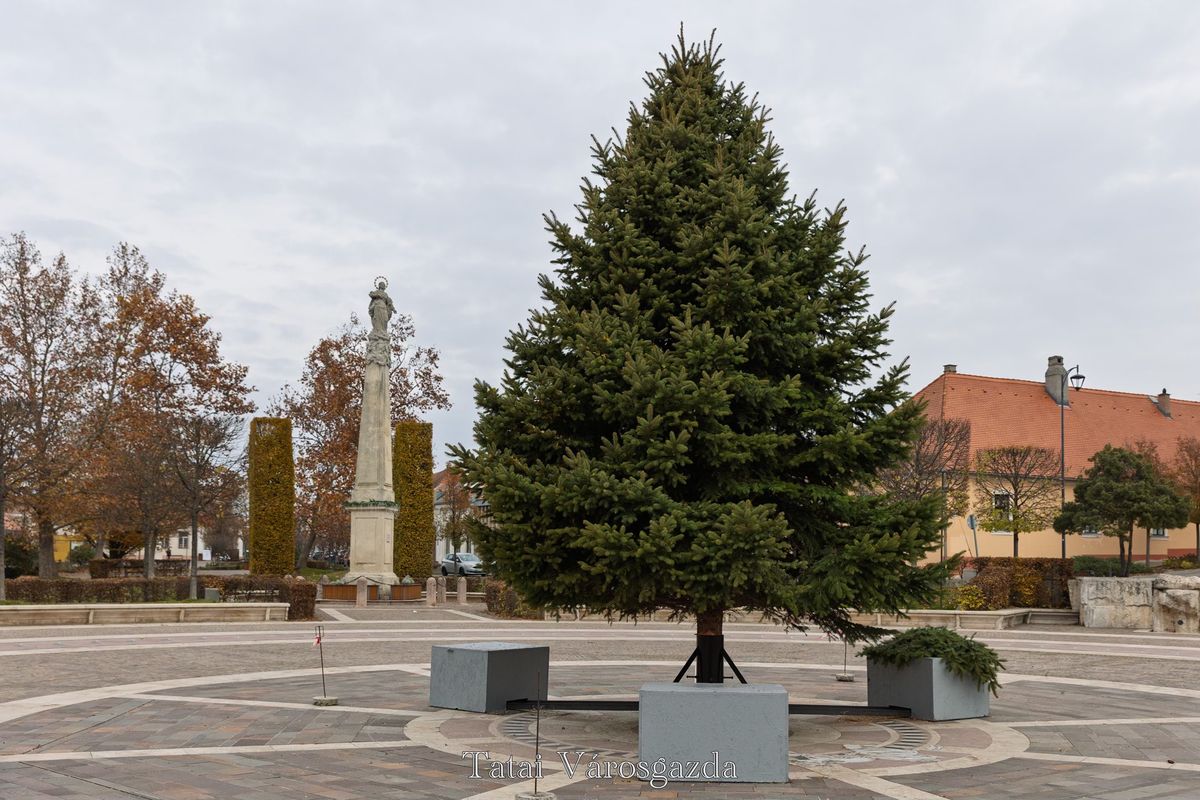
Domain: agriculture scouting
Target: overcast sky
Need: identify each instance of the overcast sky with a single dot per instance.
(1025, 176)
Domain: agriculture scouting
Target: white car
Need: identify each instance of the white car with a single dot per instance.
(462, 564)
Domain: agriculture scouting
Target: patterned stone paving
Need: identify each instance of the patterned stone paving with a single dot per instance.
(258, 738)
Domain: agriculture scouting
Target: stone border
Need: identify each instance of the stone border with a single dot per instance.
(109, 613)
(972, 620)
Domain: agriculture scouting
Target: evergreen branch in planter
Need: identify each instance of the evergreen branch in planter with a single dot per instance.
(962, 656)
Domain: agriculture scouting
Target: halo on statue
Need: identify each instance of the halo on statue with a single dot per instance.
(381, 282)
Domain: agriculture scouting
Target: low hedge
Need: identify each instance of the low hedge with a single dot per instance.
(300, 595)
(134, 567)
(503, 601)
(1023, 582)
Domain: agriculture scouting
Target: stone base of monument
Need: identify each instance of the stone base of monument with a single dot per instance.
(325, 701)
(928, 689)
(734, 732)
(484, 676)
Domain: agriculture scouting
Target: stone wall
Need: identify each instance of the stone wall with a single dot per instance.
(1167, 603)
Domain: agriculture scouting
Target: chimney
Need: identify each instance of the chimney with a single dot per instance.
(950, 369)
(1163, 401)
(1056, 380)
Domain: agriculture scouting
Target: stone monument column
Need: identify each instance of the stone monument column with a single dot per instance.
(372, 503)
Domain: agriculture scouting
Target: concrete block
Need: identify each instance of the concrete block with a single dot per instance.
(746, 725)
(926, 687)
(484, 676)
(212, 595)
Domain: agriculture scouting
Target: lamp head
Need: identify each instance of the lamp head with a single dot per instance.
(1077, 380)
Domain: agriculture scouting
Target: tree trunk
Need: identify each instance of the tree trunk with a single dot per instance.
(1147, 547)
(3, 542)
(306, 546)
(1016, 539)
(46, 566)
(710, 647)
(1198, 540)
(193, 570)
(148, 542)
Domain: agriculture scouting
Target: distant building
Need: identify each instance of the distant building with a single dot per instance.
(179, 545)
(451, 503)
(1010, 411)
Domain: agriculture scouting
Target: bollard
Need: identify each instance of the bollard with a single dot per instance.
(462, 589)
(360, 596)
(441, 589)
(431, 592)
(321, 584)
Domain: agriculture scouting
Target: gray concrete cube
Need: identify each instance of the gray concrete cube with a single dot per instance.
(928, 688)
(746, 725)
(484, 676)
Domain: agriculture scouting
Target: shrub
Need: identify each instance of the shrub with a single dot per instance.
(272, 485)
(300, 595)
(970, 598)
(20, 556)
(412, 477)
(1181, 562)
(503, 601)
(1093, 567)
(81, 554)
(1035, 582)
(962, 656)
(995, 583)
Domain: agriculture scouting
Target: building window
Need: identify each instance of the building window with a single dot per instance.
(183, 541)
(1002, 503)
(1158, 533)
(1091, 532)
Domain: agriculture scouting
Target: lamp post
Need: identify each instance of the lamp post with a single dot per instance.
(1077, 379)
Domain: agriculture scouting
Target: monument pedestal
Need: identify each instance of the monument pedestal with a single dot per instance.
(371, 533)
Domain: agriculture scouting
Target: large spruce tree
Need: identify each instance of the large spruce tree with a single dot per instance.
(685, 423)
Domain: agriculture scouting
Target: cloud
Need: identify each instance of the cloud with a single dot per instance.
(1025, 175)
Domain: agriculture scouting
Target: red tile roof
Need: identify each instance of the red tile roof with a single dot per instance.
(1007, 411)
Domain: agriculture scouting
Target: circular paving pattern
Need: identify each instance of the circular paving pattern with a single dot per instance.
(257, 735)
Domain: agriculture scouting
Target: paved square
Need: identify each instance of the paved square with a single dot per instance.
(191, 712)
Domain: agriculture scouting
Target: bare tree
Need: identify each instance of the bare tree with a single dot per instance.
(1016, 489)
(208, 464)
(939, 465)
(454, 507)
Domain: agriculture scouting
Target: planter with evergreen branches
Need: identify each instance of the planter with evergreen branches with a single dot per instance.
(935, 672)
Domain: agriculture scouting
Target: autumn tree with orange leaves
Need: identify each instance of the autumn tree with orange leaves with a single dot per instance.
(112, 372)
(325, 406)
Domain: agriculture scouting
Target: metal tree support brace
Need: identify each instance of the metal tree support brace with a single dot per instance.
(711, 657)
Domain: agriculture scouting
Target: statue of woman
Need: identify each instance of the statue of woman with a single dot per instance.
(381, 308)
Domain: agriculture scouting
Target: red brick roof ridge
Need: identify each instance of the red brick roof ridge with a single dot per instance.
(1141, 395)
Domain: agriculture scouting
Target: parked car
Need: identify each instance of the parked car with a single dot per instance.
(462, 564)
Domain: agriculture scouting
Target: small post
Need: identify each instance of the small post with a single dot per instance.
(441, 589)
(845, 676)
(321, 584)
(362, 593)
(462, 589)
(431, 592)
(324, 699)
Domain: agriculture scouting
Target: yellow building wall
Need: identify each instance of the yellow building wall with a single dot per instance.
(1048, 544)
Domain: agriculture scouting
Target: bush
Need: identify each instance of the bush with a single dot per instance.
(962, 656)
(970, 598)
(995, 583)
(1181, 562)
(81, 554)
(300, 595)
(20, 556)
(503, 601)
(412, 477)
(1093, 567)
(135, 567)
(272, 485)
(1033, 582)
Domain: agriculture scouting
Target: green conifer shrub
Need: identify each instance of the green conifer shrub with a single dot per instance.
(412, 477)
(272, 487)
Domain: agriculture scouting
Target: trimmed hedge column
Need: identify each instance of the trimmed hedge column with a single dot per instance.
(412, 477)
(272, 479)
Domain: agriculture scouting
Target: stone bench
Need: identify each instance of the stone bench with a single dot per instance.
(484, 676)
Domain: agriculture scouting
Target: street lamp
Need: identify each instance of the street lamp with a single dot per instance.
(1077, 379)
